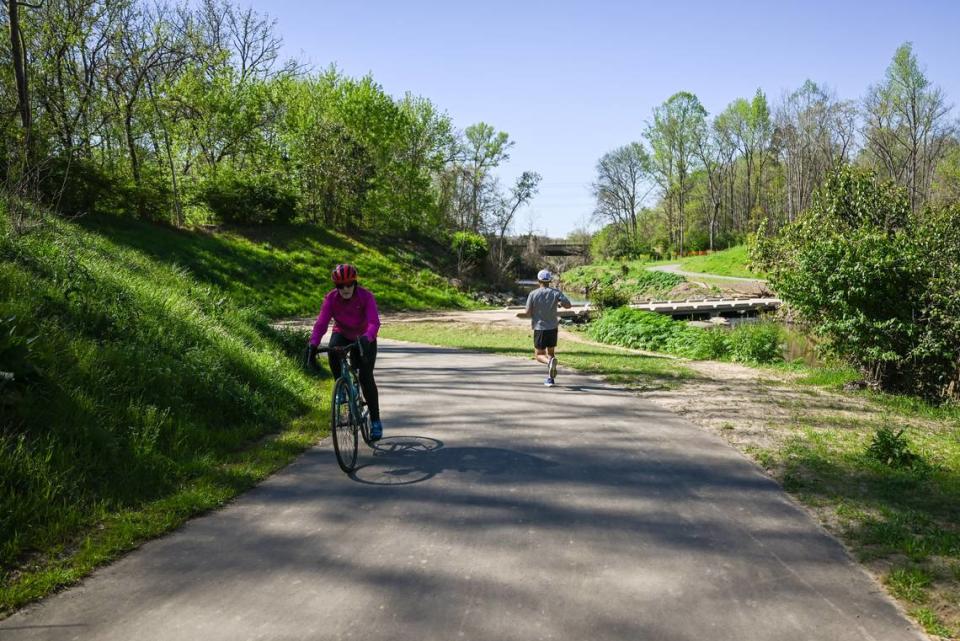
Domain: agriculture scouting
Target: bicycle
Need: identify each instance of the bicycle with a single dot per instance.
(349, 414)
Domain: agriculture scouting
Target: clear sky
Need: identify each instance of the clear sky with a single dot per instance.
(570, 81)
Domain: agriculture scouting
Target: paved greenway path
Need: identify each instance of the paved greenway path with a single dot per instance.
(495, 510)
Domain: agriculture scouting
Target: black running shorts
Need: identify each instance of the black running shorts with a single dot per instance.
(544, 338)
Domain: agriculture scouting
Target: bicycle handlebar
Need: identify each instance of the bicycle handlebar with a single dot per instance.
(338, 348)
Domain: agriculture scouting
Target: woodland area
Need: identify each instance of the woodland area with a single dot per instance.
(186, 114)
(756, 165)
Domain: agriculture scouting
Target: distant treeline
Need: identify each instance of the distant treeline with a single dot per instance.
(185, 113)
(696, 182)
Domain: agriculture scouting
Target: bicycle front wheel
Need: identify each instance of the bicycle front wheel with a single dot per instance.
(343, 427)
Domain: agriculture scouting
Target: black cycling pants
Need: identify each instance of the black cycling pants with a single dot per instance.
(365, 368)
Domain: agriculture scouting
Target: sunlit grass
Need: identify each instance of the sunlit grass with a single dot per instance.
(138, 396)
(728, 262)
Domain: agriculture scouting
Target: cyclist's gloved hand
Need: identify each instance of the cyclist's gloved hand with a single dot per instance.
(364, 346)
(312, 357)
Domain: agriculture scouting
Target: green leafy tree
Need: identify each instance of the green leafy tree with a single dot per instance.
(906, 126)
(673, 135)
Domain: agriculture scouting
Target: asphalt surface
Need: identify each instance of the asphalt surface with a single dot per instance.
(495, 509)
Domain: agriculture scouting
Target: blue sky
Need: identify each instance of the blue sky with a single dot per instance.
(570, 81)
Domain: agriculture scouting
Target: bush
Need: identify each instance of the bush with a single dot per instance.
(631, 279)
(879, 284)
(712, 344)
(75, 187)
(757, 343)
(641, 330)
(240, 199)
(892, 449)
(607, 296)
(470, 246)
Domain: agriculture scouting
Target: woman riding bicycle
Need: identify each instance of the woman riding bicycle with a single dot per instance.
(354, 312)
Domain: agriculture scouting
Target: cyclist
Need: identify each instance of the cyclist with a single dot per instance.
(541, 308)
(353, 310)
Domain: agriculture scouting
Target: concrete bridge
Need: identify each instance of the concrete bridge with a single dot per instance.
(553, 247)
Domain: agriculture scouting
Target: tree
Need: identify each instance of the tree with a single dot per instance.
(621, 186)
(521, 193)
(484, 150)
(18, 56)
(750, 127)
(812, 134)
(906, 126)
(672, 135)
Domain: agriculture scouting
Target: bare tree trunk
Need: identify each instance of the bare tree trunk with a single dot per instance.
(19, 56)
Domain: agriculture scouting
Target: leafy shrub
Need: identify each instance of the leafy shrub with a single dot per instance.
(75, 187)
(607, 296)
(892, 449)
(756, 343)
(630, 278)
(470, 246)
(638, 329)
(712, 344)
(240, 199)
(750, 343)
(877, 283)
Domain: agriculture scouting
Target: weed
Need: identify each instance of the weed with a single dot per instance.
(909, 584)
(892, 449)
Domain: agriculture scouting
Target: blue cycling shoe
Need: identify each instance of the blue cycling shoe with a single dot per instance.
(376, 430)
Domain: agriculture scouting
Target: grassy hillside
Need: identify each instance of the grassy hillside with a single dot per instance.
(139, 376)
(729, 262)
(285, 270)
(632, 279)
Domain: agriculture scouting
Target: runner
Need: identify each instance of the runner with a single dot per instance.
(542, 310)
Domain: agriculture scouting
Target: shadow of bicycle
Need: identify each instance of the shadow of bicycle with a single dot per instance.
(405, 460)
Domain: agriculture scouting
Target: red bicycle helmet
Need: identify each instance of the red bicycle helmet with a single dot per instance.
(344, 274)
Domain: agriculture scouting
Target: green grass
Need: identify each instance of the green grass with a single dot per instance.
(898, 512)
(632, 279)
(285, 270)
(137, 396)
(728, 262)
(617, 366)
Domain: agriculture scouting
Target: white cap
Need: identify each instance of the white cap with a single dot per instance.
(544, 275)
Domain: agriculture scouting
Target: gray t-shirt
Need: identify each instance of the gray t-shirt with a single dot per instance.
(542, 306)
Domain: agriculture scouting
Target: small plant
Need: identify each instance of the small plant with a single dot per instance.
(930, 622)
(909, 584)
(892, 448)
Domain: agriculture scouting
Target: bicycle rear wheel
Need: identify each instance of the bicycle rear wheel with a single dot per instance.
(343, 427)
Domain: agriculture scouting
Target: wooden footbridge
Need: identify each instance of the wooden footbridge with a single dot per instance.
(692, 309)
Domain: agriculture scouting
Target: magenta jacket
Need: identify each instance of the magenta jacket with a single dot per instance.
(351, 318)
